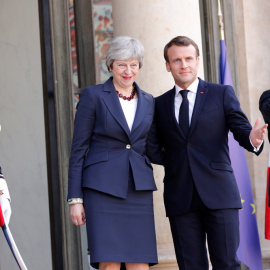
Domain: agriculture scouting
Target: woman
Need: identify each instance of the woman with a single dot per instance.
(110, 177)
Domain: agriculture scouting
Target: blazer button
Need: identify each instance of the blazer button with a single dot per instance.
(189, 145)
(128, 146)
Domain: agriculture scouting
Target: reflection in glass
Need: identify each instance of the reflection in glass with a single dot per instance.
(103, 30)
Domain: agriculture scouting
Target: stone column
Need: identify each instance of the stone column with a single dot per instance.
(155, 23)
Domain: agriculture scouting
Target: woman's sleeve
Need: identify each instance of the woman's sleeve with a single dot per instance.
(83, 128)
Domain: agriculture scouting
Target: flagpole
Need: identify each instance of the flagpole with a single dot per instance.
(220, 22)
(11, 242)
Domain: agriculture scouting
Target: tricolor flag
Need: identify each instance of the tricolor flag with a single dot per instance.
(264, 105)
(11, 242)
(249, 251)
(2, 221)
(267, 208)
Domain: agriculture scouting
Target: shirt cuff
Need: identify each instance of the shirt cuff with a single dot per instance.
(256, 149)
(75, 200)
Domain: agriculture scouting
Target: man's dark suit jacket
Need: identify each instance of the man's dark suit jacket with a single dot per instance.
(264, 106)
(205, 152)
(104, 150)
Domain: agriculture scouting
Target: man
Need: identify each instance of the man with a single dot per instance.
(201, 196)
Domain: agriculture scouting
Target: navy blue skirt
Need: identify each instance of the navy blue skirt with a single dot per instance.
(120, 230)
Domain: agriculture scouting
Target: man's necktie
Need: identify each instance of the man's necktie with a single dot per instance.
(184, 113)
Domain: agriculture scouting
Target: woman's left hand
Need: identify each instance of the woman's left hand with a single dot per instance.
(77, 214)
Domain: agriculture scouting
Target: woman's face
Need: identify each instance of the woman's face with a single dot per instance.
(125, 72)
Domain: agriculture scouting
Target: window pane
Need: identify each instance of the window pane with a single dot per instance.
(103, 29)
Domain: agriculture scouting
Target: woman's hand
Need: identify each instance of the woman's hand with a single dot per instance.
(77, 214)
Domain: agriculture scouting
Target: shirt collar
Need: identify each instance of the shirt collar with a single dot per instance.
(192, 88)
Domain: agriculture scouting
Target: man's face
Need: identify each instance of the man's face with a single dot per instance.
(183, 64)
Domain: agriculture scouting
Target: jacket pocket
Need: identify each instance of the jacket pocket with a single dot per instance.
(94, 158)
(221, 166)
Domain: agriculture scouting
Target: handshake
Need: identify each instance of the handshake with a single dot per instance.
(4, 198)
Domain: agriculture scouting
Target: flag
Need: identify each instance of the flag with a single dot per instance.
(249, 251)
(267, 208)
(11, 242)
(264, 107)
(2, 221)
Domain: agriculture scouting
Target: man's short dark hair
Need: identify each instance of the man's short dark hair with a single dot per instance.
(180, 41)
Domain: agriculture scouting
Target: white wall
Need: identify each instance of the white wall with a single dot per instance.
(22, 139)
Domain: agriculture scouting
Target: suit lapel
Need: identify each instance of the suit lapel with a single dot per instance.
(142, 108)
(200, 98)
(113, 104)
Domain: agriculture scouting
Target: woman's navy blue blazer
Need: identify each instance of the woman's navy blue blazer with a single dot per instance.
(104, 150)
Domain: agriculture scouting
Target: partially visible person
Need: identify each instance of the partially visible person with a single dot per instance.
(4, 198)
(192, 121)
(264, 106)
(111, 180)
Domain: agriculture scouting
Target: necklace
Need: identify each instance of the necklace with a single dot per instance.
(127, 98)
